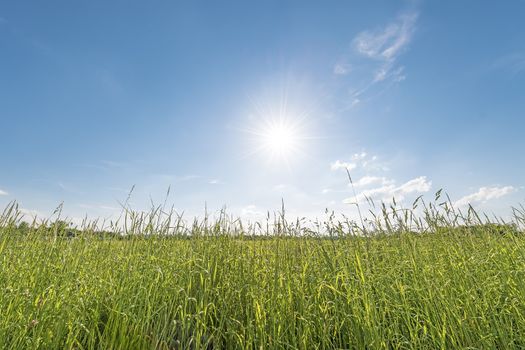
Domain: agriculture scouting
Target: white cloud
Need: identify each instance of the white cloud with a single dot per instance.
(382, 191)
(359, 156)
(338, 165)
(374, 164)
(342, 68)
(369, 180)
(390, 190)
(252, 212)
(485, 194)
(3, 193)
(29, 215)
(386, 44)
(419, 184)
(360, 160)
(380, 49)
(382, 73)
(385, 72)
(398, 75)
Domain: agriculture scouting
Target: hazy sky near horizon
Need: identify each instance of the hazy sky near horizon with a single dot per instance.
(242, 104)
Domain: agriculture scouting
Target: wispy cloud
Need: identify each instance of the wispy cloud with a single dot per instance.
(3, 193)
(360, 160)
(387, 43)
(388, 191)
(359, 156)
(385, 46)
(485, 194)
(371, 180)
(252, 212)
(339, 165)
(342, 68)
(29, 215)
(375, 55)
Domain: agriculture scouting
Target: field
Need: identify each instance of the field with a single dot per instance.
(211, 286)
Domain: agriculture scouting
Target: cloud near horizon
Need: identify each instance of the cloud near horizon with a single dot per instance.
(388, 191)
(485, 194)
(369, 180)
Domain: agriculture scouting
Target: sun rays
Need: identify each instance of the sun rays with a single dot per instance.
(279, 131)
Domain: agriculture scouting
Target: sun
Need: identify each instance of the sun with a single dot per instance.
(279, 139)
(279, 127)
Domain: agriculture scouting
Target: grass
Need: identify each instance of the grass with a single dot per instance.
(150, 281)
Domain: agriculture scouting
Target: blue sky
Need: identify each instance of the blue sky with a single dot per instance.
(411, 96)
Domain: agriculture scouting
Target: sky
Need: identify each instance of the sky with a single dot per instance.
(245, 104)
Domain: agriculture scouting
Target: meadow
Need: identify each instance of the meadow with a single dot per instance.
(407, 279)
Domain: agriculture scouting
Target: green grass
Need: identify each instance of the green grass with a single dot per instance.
(445, 287)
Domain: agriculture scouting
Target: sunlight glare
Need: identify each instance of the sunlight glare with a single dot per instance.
(279, 127)
(279, 139)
